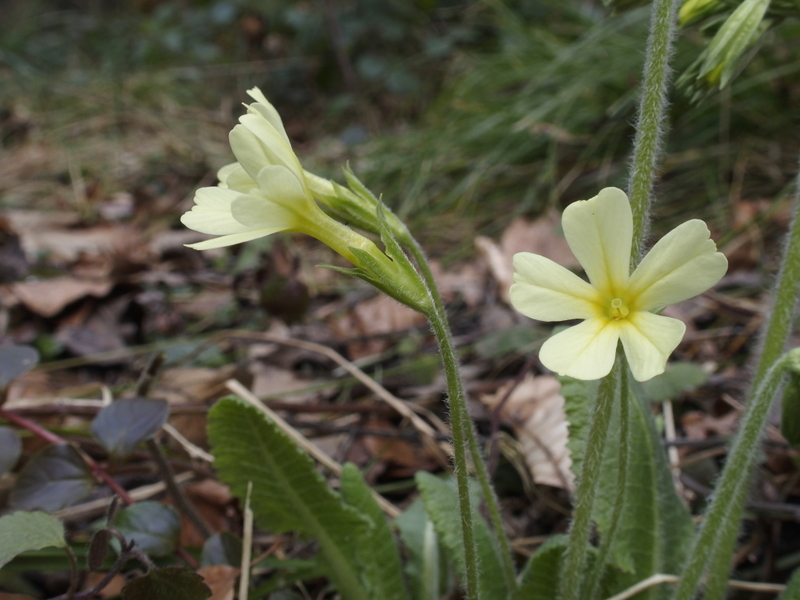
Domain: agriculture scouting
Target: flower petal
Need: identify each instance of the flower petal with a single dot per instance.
(256, 144)
(599, 231)
(683, 263)
(266, 110)
(212, 212)
(648, 341)
(230, 240)
(546, 291)
(585, 351)
(234, 176)
(278, 206)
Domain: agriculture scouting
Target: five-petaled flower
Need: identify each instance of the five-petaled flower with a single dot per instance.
(614, 305)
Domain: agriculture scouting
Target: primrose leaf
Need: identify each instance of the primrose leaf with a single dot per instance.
(288, 492)
(122, 425)
(539, 578)
(677, 378)
(792, 591)
(10, 449)
(383, 571)
(15, 361)
(23, 531)
(170, 583)
(441, 502)
(426, 566)
(54, 478)
(790, 410)
(154, 527)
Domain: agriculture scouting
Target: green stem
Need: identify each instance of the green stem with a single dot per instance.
(622, 483)
(578, 545)
(460, 424)
(478, 462)
(775, 334)
(717, 535)
(652, 108)
(784, 298)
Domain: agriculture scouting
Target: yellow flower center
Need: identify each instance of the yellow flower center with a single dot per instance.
(618, 309)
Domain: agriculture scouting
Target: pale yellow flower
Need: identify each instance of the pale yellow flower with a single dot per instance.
(265, 191)
(613, 304)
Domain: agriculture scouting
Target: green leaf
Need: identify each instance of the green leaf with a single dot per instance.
(222, 549)
(288, 492)
(426, 567)
(10, 449)
(23, 531)
(171, 583)
(656, 528)
(792, 591)
(54, 478)
(677, 378)
(15, 361)
(441, 502)
(539, 579)
(122, 425)
(154, 527)
(377, 552)
(790, 409)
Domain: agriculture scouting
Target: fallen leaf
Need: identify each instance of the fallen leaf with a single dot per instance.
(221, 579)
(535, 411)
(48, 297)
(699, 425)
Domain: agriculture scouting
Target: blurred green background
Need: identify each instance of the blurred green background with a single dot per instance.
(482, 110)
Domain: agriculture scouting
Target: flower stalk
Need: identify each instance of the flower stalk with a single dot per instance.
(649, 125)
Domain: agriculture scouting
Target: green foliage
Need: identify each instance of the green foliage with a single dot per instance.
(170, 583)
(539, 580)
(153, 526)
(426, 567)
(377, 551)
(790, 413)
(122, 425)
(15, 361)
(222, 549)
(10, 449)
(439, 497)
(288, 493)
(23, 531)
(792, 591)
(54, 478)
(678, 377)
(656, 529)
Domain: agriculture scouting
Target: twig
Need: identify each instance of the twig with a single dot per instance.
(247, 545)
(658, 578)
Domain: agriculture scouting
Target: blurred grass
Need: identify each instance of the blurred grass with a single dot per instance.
(534, 106)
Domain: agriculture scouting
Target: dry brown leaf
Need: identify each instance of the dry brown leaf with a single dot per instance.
(373, 317)
(192, 384)
(221, 579)
(535, 410)
(699, 425)
(47, 298)
(467, 281)
(269, 380)
(114, 588)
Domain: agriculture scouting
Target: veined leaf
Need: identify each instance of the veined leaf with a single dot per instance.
(377, 552)
(426, 567)
(441, 503)
(153, 526)
(539, 579)
(23, 531)
(792, 591)
(288, 492)
(54, 478)
(173, 583)
(655, 529)
(122, 425)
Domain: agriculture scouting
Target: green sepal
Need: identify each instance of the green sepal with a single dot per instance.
(398, 228)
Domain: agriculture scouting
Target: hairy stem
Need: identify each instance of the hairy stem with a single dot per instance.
(578, 546)
(717, 535)
(784, 298)
(460, 424)
(592, 583)
(478, 462)
(649, 124)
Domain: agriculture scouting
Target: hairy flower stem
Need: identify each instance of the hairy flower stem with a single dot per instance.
(784, 298)
(478, 463)
(574, 564)
(460, 424)
(774, 336)
(592, 586)
(717, 535)
(652, 108)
